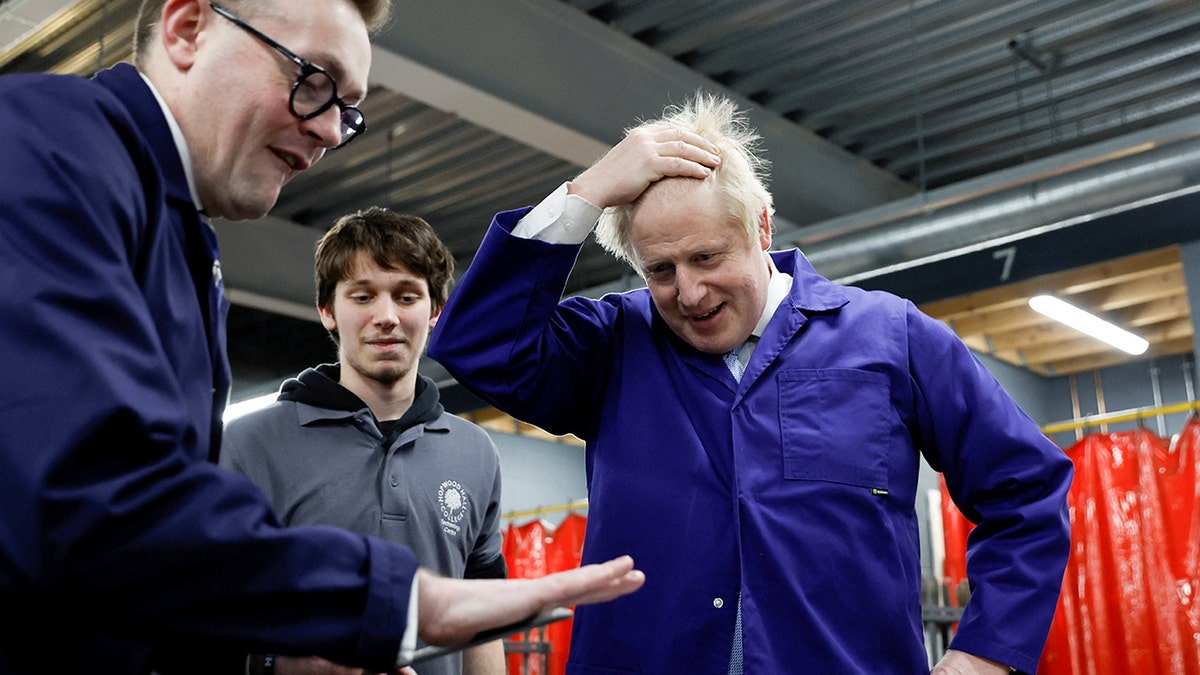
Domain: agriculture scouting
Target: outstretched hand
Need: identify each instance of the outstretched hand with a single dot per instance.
(451, 611)
(642, 157)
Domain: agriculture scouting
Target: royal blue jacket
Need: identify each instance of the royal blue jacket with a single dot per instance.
(118, 538)
(795, 488)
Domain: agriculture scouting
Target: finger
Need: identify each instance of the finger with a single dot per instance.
(615, 588)
(681, 167)
(668, 140)
(598, 582)
(672, 133)
(706, 154)
(696, 139)
(618, 566)
(687, 154)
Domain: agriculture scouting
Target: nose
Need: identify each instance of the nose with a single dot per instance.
(386, 314)
(326, 127)
(689, 288)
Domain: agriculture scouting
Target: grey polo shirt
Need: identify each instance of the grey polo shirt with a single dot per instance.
(434, 486)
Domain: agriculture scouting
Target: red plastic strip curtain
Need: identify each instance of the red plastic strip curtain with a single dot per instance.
(564, 552)
(525, 550)
(955, 528)
(525, 555)
(1128, 602)
(533, 550)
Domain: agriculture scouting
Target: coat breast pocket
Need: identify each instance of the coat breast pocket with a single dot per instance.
(834, 425)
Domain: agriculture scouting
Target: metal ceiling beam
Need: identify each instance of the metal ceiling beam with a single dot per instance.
(452, 95)
(1059, 192)
(559, 64)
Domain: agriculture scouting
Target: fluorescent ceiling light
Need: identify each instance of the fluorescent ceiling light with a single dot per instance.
(236, 410)
(1088, 323)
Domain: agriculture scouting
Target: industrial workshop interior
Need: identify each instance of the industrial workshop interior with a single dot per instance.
(985, 159)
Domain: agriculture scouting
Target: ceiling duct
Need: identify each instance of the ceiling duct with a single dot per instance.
(1142, 168)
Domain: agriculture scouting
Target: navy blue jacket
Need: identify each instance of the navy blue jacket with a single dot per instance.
(795, 487)
(119, 540)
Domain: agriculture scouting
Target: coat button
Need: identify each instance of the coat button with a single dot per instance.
(718, 603)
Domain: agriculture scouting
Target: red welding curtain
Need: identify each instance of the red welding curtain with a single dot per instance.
(536, 549)
(1129, 597)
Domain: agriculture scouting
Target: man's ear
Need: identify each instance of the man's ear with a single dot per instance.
(181, 29)
(764, 229)
(327, 319)
(433, 318)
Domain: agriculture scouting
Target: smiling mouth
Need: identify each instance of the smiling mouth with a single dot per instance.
(290, 161)
(707, 315)
(294, 162)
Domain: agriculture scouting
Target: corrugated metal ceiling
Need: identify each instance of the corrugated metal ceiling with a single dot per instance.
(939, 91)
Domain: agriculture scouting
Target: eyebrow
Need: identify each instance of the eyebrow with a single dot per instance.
(649, 265)
(338, 72)
(414, 282)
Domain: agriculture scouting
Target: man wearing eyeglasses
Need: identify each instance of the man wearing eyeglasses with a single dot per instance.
(122, 549)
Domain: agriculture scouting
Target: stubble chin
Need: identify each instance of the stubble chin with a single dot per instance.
(388, 374)
(704, 341)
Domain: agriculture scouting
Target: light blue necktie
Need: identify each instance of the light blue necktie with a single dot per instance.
(735, 364)
(736, 360)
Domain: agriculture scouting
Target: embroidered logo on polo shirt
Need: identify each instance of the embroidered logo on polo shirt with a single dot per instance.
(453, 500)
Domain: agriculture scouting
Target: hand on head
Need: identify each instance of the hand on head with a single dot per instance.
(645, 155)
(451, 611)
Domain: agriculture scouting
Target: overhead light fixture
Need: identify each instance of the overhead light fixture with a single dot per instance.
(1088, 323)
(236, 410)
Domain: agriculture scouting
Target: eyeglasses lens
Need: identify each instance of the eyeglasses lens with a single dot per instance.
(313, 93)
(352, 124)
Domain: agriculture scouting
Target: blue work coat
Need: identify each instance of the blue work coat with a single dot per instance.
(117, 536)
(795, 488)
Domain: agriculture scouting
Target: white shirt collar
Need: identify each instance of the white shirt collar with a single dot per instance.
(180, 143)
(777, 289)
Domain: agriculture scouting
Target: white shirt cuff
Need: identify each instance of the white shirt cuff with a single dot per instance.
(408, 643)
(561, 218)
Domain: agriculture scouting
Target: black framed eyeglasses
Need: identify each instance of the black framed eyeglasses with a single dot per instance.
(314, 91)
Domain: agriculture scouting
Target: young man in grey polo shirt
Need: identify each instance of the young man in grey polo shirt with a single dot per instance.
(365, 444)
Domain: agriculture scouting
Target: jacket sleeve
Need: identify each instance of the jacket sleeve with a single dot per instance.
(108, 503)
(1007, 478)
(504, 334)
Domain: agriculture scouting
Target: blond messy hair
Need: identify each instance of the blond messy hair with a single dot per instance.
(741, 176)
